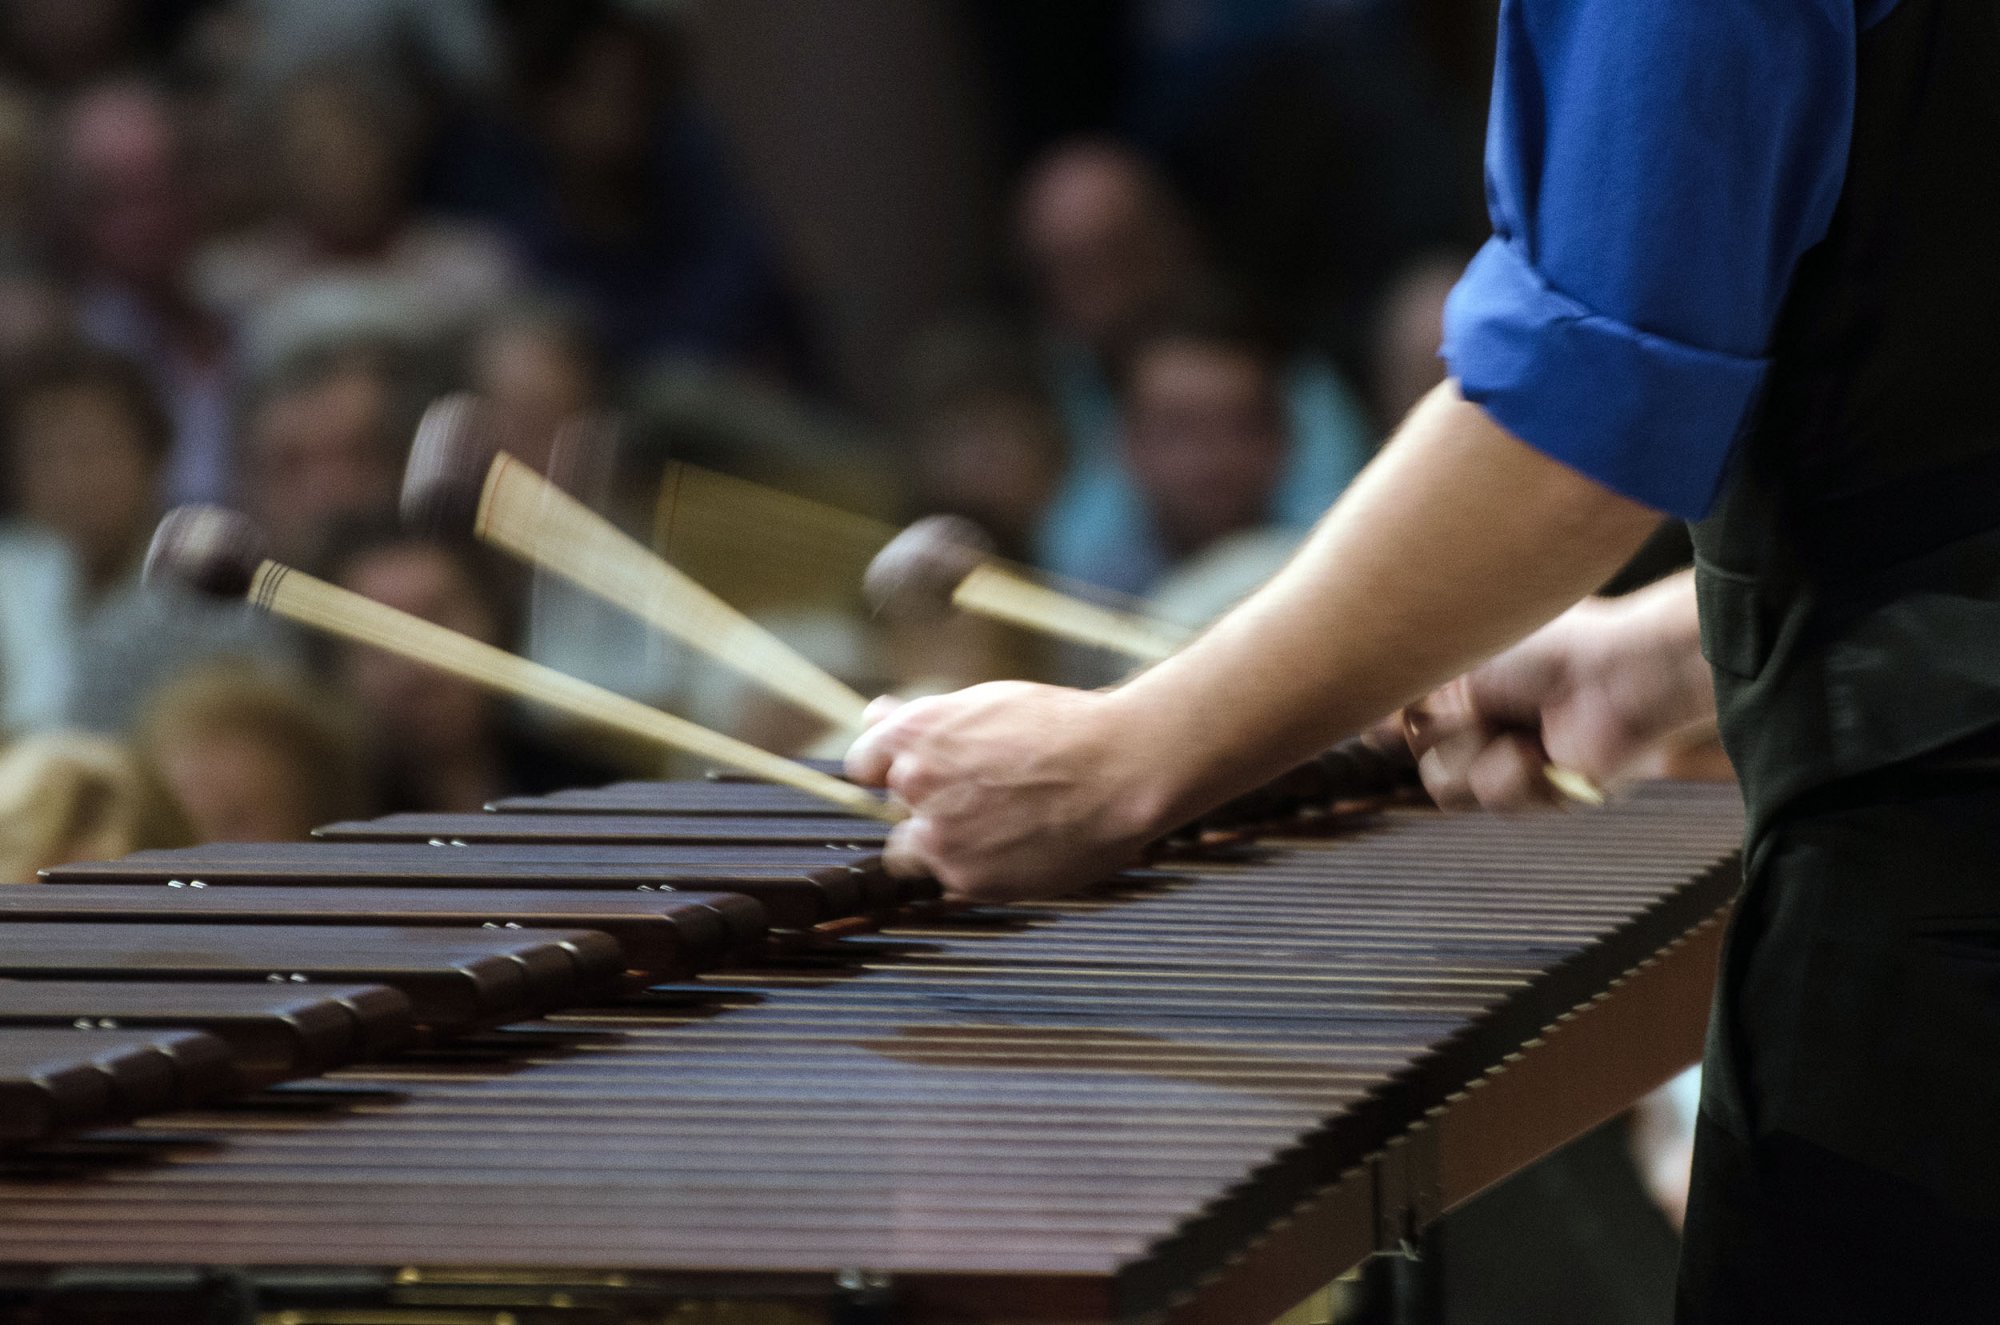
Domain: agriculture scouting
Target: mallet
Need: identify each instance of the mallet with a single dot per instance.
(220, 553)
(455, 478)
(945, 560)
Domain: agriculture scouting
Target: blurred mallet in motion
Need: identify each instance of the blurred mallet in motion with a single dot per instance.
(456, 478)
(945, 561)
(220, 553)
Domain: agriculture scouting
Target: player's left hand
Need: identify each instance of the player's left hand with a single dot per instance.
(1015, 790)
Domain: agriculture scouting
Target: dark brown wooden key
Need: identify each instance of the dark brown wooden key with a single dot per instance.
(272, 1031)
(454, 978)
(798, 887)
(833, 768)
(56, 1079)
(630, 829)
(726, 798)
(674, 934)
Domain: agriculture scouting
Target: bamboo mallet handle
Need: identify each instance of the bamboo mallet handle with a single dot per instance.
(947, 561)
(999, 595)
(215, 551)
(533, 519)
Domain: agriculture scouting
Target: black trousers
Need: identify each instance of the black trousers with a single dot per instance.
(1847, 1160)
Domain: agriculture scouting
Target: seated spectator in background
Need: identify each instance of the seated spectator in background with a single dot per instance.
(325, 435)
(80, 639)
(65, 797)
(609, 181)
(1108, 247)
(344, 145)
(1408, 328)
(982, 429)
(541, 371)
(128, 231)
(449, 42)
(1204, 438)
(22, 174)
(540, 367)
(254, 754)
(985, 442)
(58, 46)
(36, 311)
(437, 742)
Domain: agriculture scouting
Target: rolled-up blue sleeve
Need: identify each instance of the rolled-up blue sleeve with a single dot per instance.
(1655, 172)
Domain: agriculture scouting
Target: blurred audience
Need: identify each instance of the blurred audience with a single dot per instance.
(1408, 327)
(345, 144)
(324, 439)
(1204, 436)
(436, 742)
(80, 640)
(1335, 148)
(1108, 248)
(444, 43)
(254, 754)
(22, 169)
(982, 430)
(87, 438)
(66, 796)
(608, 178)
(57, 46)
(542, 371)
(128, 228)
(36, 311)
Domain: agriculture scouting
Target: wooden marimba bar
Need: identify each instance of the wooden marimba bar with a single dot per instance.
(635, 1073)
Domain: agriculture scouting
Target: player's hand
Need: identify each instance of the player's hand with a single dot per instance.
(1605, 690)
(1015, 790)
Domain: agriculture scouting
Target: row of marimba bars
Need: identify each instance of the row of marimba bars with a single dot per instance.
(1061, 1111)
(734, 861)
(175, 977)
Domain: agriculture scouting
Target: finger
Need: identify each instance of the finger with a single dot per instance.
(1444, 770)
(910, 777)
(869, 758)
(1507, 775)
(1445, 714)
(880, 708)
(904, 855)
(1390, 735)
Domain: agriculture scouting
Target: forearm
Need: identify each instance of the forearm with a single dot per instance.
(1457, 541)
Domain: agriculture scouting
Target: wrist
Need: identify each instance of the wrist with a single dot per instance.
(1161, 759)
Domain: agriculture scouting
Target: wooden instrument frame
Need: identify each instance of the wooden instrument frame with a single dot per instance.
(1625, 1032)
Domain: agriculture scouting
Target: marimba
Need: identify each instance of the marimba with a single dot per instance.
(683, 1052)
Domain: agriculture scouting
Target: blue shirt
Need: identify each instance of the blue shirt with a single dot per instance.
(1655, 169)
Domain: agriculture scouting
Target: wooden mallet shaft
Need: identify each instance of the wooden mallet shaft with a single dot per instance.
(532, 518)
(319, 605)
(457, 477)
(1000, 595)
(946, 561)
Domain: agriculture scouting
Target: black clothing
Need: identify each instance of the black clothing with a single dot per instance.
(1848, 1162)
(1850, 574)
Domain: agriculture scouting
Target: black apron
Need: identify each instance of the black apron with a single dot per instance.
(1847, 1162)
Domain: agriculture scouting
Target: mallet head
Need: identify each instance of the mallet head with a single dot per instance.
(914, 574)
(210, 549)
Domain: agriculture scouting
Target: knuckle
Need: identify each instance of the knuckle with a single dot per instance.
(1445, 780)
(911, 776)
